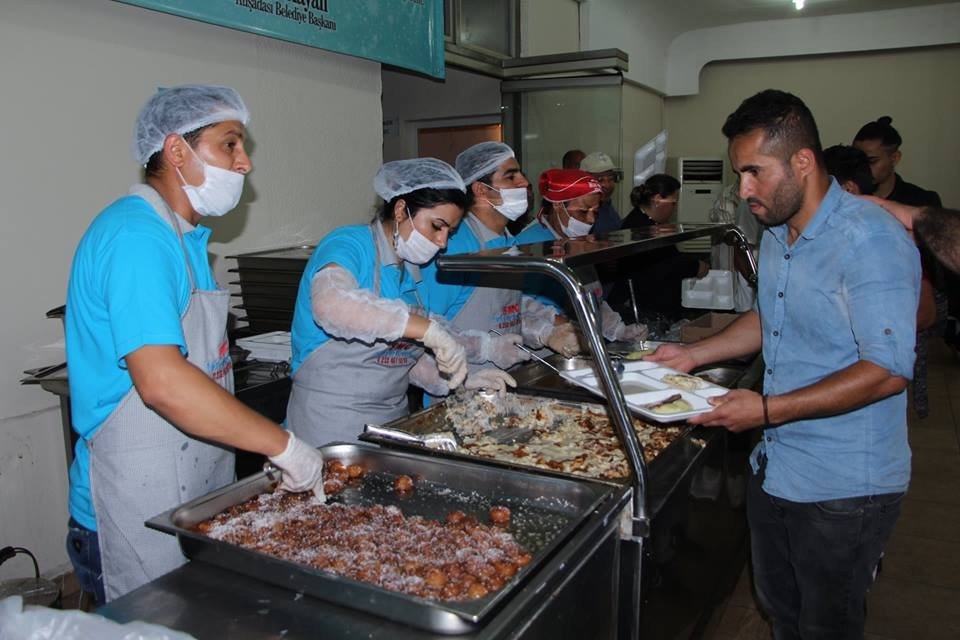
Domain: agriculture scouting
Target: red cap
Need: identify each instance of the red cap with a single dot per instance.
(561, 185)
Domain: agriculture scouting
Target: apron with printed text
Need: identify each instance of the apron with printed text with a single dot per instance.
(345, 384)
(141, 465)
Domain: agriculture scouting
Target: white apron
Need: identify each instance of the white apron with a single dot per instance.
(345, 384)
(141, 465)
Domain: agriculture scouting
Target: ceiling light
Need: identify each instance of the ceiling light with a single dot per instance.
(798, 4)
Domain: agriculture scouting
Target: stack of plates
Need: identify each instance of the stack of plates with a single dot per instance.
(273, 346)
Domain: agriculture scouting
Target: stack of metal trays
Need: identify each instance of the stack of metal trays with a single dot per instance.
(268, 282)
(547, 513)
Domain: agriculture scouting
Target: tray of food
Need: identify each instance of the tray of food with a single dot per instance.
(655, 391)
(523, 431)
(430, 542)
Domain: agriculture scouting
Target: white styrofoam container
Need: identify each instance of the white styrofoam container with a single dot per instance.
(273, 346)
(713, 291)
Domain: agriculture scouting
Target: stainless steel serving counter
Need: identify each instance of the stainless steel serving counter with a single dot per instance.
(571, 593)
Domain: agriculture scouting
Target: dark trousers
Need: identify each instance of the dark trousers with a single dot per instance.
(813, 562)
(83, 547)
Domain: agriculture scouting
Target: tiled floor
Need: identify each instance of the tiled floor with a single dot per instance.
(917, 597)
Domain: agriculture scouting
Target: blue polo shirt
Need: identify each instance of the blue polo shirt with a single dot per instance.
(445, 293)
(352, 248)
(128, 288)
(846, 290)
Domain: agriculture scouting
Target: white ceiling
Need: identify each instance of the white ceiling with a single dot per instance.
(695, 14)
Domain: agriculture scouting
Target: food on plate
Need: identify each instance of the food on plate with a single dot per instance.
(639, 354)
(460, 560)
(671, 406)
(683, 381)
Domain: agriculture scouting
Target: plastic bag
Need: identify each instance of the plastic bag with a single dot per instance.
(41, 623)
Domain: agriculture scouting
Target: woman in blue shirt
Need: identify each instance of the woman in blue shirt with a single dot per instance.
(361, 324)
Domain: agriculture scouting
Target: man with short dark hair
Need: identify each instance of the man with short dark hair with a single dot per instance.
(881, 142)
(838, 286)
(851, 167)
(572, 159)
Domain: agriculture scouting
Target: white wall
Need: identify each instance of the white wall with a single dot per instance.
(917, 88)
(74, 74)
(668, 43)
(549, 26)
(900, 28)
(414, 101)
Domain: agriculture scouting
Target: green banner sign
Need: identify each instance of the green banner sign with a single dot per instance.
(403, 33)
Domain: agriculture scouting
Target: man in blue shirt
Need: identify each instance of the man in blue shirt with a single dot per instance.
(151, 378)
(835, 316)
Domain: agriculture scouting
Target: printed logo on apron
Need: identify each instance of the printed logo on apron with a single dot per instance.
(508, 318)
(222, 365)
(398, 354)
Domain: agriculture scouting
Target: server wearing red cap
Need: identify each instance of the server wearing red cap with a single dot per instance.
(571, 199)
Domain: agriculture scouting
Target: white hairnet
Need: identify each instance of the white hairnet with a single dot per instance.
(482, 159)
(181, 110)
(405, 176)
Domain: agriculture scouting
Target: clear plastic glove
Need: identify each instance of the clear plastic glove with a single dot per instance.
(302, 467)
(493, 380)
(632, 333)
(536, 321)
(450, 355)
(615, 330)
(563, 339)
(426, 375)
(502, 350)
(344, 310)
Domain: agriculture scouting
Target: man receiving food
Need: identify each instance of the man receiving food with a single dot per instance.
(835, 318)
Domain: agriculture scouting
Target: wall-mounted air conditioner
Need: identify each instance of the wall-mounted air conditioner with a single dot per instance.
(701, 180)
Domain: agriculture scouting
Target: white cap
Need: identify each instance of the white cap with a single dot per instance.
(597, 162)
(405, 176)
(181, 110)
(482, 159)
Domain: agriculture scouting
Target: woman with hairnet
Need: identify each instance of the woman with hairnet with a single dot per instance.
(151, 379)
(571, 199)
(476, 304)
(361, 320)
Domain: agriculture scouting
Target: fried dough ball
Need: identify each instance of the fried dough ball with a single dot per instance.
(436, 579)
(500, 516)
(335, 466)
(476, 590)
(355, 471)
(403, 484)
(456, 517)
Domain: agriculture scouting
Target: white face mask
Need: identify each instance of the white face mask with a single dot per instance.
(574, 228)
(514, 202)
(416, 249)
(219, 192)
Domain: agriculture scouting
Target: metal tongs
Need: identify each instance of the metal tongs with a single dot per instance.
(616, 361)
(441, 440)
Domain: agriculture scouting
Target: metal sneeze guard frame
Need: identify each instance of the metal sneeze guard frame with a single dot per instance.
(559, 259)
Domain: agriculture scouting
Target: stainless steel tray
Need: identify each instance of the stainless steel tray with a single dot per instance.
(546, 511)
(434, 419)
